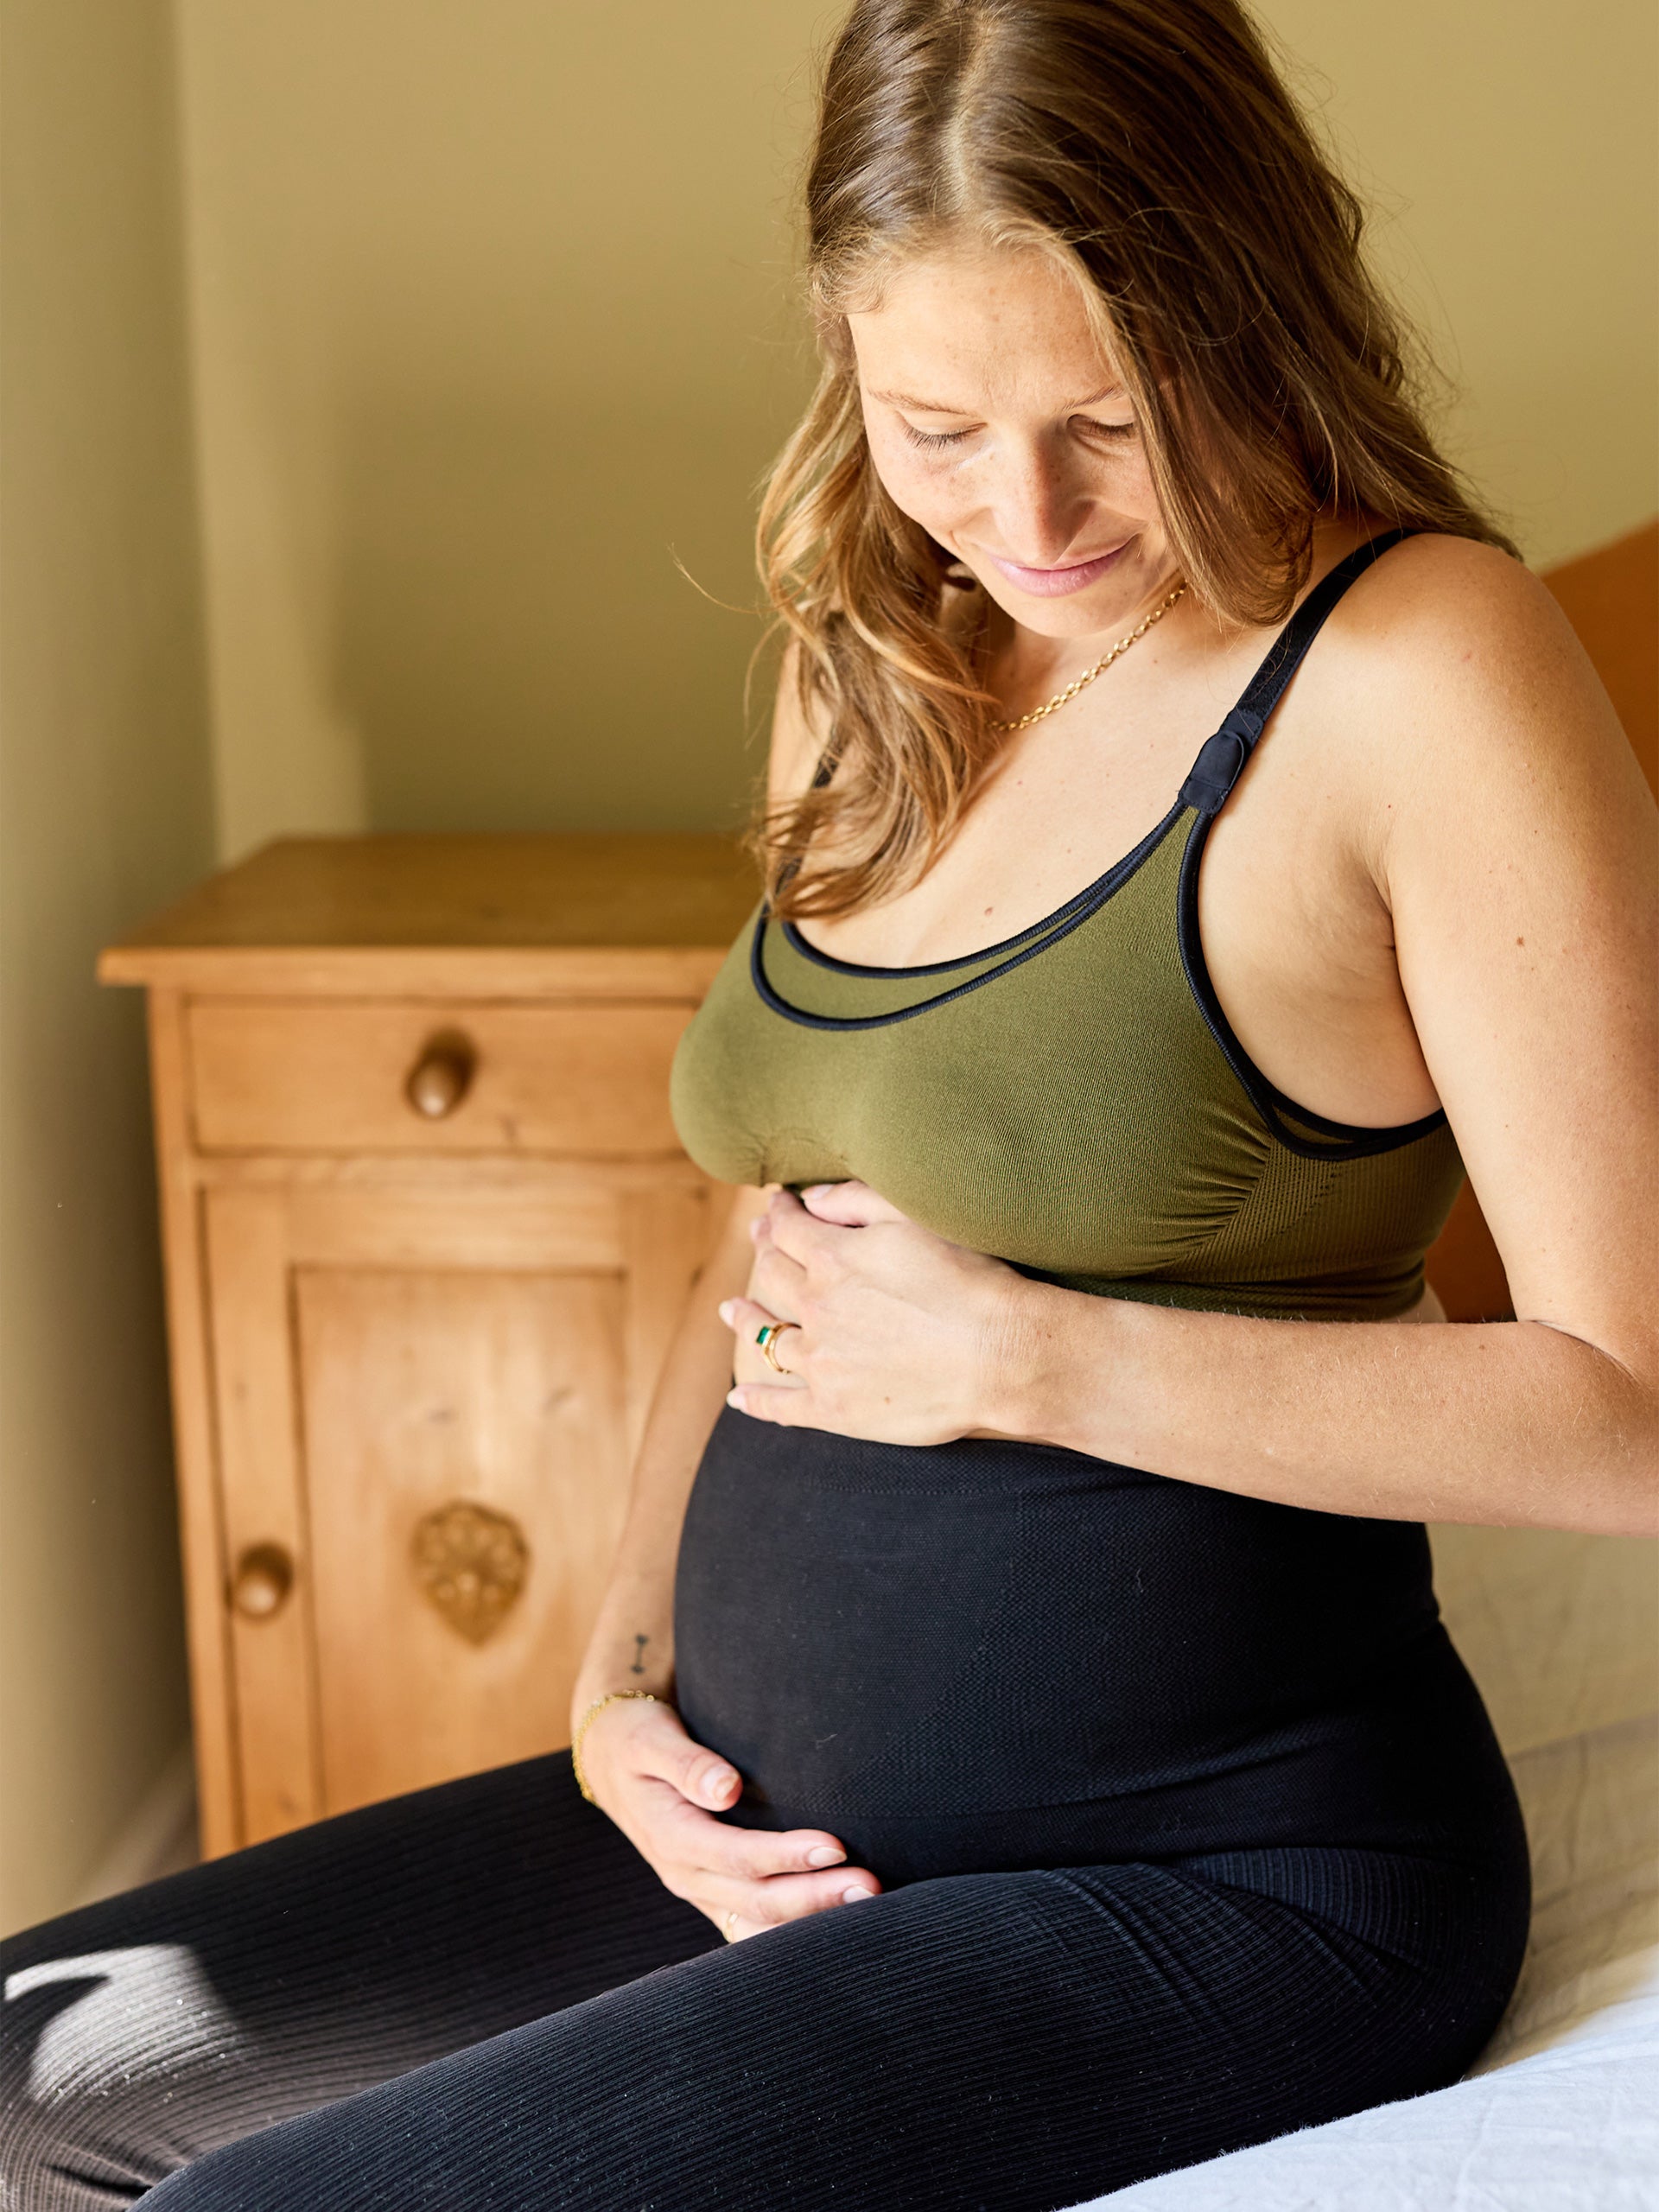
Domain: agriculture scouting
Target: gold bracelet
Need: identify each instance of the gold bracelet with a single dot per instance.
(611, 1697)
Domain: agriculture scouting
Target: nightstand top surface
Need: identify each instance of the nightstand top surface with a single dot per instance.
(531, 895)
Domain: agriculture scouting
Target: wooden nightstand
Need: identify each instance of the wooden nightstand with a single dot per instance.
(427, 1231)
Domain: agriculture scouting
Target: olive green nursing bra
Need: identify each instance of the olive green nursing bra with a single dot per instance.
(1073, 1100)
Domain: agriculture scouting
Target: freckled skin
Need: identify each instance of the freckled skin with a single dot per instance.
(1043, 467)
(1362, 898)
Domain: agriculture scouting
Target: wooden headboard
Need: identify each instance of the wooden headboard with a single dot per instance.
(1611, 598)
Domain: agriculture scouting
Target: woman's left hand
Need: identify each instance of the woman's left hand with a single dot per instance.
(902, 1336)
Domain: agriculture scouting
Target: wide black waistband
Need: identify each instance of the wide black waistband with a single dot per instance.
(1028, 1648)
(1415, 1770)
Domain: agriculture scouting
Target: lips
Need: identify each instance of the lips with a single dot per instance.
(1057, 583)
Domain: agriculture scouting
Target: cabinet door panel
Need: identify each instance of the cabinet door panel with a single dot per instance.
(465, 1487)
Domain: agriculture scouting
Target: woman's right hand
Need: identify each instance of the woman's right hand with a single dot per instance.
(663, 1791)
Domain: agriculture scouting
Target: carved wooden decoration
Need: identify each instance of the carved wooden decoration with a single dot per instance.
(471, 1562)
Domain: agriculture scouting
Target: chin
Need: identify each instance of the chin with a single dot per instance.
(1107, 601)
(1083, 614)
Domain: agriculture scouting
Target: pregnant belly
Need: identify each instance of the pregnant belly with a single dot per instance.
(979, 1631)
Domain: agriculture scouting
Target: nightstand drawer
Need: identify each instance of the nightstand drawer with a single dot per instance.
(422, 1076)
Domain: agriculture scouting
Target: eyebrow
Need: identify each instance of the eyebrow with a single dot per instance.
(939, 407)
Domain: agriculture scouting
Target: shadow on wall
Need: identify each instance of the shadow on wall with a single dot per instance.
(107, 811)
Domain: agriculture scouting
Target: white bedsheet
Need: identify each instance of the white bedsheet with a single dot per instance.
(1561, 2112)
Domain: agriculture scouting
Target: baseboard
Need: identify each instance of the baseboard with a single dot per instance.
(158, 1836)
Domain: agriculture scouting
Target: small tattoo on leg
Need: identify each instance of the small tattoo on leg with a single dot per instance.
(638, 1666)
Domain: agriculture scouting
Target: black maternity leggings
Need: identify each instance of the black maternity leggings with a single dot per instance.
(1242, 1860)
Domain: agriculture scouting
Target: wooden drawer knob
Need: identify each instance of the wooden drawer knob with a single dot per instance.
(441, 1077)
(264, 1577)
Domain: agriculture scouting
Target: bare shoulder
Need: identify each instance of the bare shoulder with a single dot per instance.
(797, 737)
(1461, 683)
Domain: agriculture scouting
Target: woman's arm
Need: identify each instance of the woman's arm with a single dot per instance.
(634, 1627)
(1510, 835)
(661, 1788)
(1510, 1423)
(631, 1647)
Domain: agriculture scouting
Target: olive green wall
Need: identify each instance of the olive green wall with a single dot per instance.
(491, 327)
(1507, 149)
(493, 319)
(104, 812)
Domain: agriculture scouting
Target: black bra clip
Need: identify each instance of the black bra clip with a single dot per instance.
(1221, 763)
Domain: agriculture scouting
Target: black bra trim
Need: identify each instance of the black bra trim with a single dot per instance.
(1331, 1139)
(1068, 918)
(1220, 762)
(1091, 895)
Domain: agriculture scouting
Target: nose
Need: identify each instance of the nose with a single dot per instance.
(1038, 503)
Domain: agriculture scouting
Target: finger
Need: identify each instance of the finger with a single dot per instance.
(697, 1853)
(760, 1854)
(746, 1316)
(661, 1750)
(746, 1319)
(852, 1204)
(698, 1839)
(788, 1405)
(787, 1226)
(786, 1896)
(776, 1277)
(743, 1317)
(778, 1280)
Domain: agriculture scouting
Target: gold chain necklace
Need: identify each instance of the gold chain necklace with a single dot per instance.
(1061, 698)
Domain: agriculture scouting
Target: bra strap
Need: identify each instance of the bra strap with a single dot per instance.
(1221, 762)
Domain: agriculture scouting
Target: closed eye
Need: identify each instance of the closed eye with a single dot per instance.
(940, 441)
(933, 441)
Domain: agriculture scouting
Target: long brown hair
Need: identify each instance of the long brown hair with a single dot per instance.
(1150, 145)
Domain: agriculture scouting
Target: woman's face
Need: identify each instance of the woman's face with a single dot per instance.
(996, 422)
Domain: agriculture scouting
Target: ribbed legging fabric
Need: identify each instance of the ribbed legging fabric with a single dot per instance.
(478, 1998)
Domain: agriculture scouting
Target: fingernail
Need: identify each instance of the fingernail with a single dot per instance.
(735, 1398)
(724, 1310)
(826, 1855)
(718, 1780)
(852, 1897)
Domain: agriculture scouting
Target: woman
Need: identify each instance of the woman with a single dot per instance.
(1053, 1579)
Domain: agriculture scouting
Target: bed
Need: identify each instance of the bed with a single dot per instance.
(1560, 2112)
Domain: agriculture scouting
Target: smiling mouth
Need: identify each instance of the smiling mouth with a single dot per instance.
(1055, 583)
